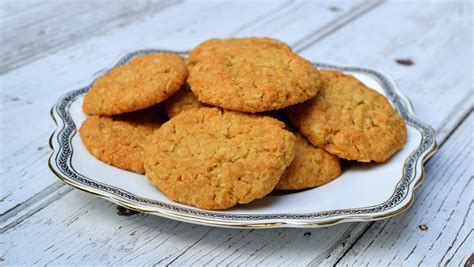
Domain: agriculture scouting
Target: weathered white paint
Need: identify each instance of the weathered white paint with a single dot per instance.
(32, 29)
(444, 204)
(100, 236)
(81, 228)
(33, 92)
(434, 36)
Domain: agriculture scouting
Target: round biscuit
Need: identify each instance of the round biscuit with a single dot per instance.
(183, 100)
(250, 74)
(145, 81)
(311, 167)
(350, 120)
(119, 140)
(214, 159)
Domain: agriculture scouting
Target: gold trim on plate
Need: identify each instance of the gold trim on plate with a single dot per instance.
(280, 223)
(185, 218)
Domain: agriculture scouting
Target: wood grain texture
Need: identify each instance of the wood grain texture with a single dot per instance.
(33, 92)
(29, 92)
(102, 237)
(439, 226)
(424, 34)
(33, 29)
(44, 232)
(303, 23)
(440, 94)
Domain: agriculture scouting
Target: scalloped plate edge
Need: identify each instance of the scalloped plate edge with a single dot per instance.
(397, 99)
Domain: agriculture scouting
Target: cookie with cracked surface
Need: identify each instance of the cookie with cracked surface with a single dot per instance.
(143, 82)
(183, 100)
(250, 74)
(350, 120)
(215, 159)
(311, 167)
(119, 140)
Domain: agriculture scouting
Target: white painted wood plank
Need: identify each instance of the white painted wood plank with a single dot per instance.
(29, 92)
(81, 228)
(299, 21)
(33, 92)
(102, 237)
(32, 29)
(441, 95)
(19, 170)
(440, 223)
(194, 244)
(433, 36)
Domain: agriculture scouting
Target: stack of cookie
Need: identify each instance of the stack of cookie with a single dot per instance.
(228, 137)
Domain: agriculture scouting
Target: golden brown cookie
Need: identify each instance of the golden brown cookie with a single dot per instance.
(143, 82)
(119, 140)
(350, 120)
(310, 168)
(215, 159)
(183, 100)
(250, 74)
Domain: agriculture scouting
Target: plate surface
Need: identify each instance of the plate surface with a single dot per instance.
(363, 192)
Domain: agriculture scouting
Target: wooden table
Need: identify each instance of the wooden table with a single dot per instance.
(51, 47)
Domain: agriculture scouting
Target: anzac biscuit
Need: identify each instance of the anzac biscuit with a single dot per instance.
(143, 82)
(215, 159)
(310, 168)
(350, 120)
(119, 140)
(250, 74)
(183, 100)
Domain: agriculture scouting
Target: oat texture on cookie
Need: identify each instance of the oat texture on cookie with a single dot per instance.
(143, 82)
(215, 159)
(350, 120)
(311, 167)
(181, 101)
(119, 140)
(250, 74)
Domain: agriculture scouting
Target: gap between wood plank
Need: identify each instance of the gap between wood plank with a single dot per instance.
(299, 46)
(334, 25)
(188, 248)
(59, 186)
(261, 18)
(362, 229)
(40, 201)
(106, 25)
(466, 106)
(440, 144)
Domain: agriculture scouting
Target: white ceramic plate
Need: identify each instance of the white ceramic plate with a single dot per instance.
(363, 192)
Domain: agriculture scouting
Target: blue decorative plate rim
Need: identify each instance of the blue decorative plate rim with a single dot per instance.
(60, 165)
